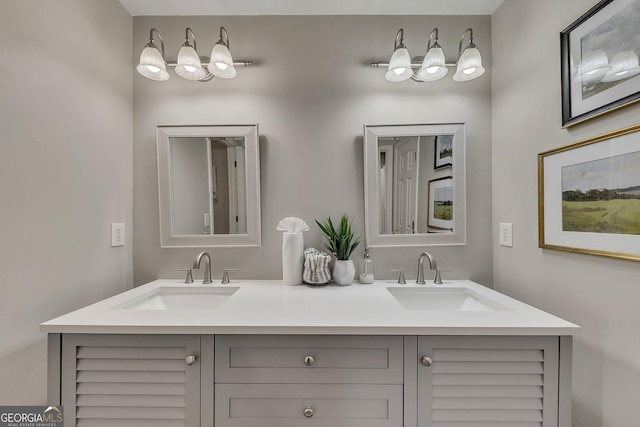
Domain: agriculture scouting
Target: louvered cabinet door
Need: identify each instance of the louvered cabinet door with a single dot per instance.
(488, 381)
(130, 380)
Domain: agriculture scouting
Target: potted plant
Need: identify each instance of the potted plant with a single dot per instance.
(341, 242)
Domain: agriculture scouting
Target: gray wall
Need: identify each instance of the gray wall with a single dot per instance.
(65, 172)
(597, 293)
(189, 184)
(311, 92)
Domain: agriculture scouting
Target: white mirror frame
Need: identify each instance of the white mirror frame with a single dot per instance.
(252, 153)
(373, 237)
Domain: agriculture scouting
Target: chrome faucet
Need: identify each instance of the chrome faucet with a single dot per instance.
(207, 267)
(432, 265)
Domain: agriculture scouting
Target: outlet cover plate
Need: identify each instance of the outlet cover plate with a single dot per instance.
(506, 234)
(117, 234)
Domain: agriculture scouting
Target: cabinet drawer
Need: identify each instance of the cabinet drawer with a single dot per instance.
(308, 359)
(320, 405)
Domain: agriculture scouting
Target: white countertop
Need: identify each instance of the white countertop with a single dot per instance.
(269, 307)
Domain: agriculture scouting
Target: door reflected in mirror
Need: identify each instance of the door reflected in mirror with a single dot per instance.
(408, 168)
(209, 186)
(208, 194)
(415, 185)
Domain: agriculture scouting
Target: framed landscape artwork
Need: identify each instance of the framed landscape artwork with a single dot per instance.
(589, 196)
(599, 61)
(443, 151)
(441, 204)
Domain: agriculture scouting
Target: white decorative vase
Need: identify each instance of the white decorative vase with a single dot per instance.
(292, 258)
(343, 272)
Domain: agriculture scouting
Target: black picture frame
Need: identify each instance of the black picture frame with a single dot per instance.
(605, 103)
(443, 159)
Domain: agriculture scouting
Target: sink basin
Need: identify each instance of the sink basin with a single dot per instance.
(444, 299)
(174, 298)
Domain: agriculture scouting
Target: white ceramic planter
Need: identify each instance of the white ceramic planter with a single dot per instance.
(343, 272)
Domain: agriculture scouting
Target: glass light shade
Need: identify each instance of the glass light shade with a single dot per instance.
(221, 64)
(469, 65)
(594, 66)
(433, 66)
(623, 66)
(189, 66)
(399, 66)
(152, 64)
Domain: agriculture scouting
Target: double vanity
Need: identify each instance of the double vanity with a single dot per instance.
(258, 353)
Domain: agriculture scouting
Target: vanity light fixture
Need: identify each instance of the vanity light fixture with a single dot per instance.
(595, 67)
(469, 61)
(221, 64)
(153, 64)
(189, 64)
(623, 66)
(432, 66)
(399, 68)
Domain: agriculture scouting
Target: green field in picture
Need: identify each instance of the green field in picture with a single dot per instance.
(617, 216)
(443, 211)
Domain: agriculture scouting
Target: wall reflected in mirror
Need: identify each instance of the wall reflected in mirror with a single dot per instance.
(415, 178)
(208, 193)
(408, 168)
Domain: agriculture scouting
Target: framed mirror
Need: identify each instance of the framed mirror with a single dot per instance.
(414, 182)
(209, 186)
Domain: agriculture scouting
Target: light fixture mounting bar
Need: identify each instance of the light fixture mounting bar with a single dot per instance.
(414, 64)
(237, 63)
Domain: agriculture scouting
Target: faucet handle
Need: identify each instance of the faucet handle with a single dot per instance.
(225, 276)
(401, 276)
(189, 278)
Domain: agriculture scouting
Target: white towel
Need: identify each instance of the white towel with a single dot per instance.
(292, 258)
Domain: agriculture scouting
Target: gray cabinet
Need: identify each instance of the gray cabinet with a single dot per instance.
(130, 380)
(320, 381)
(487, 381)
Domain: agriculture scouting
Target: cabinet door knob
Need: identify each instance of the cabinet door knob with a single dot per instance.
(426, 361)
(308, 361)
(190, 360)
(308, 412)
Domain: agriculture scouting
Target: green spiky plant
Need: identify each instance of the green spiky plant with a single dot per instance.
(341, 242)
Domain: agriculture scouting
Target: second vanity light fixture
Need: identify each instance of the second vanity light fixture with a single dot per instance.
(595, 67)
(153, 64)
(433, 65)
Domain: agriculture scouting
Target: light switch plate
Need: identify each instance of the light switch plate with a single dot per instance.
(506, 234)
(117, 234)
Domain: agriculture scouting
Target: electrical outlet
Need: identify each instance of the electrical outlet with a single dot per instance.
(506, 234)
(117, 234)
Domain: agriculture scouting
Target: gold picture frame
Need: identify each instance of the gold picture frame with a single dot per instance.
(589, 196)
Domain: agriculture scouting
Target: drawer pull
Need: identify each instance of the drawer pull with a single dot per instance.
(426, 361)
(190, 360)
(308, 412)
(308, 361)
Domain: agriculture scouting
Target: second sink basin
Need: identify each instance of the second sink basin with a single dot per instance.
(180, 298)
(444, 299)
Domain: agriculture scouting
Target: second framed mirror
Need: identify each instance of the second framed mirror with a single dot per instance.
(415, 185)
